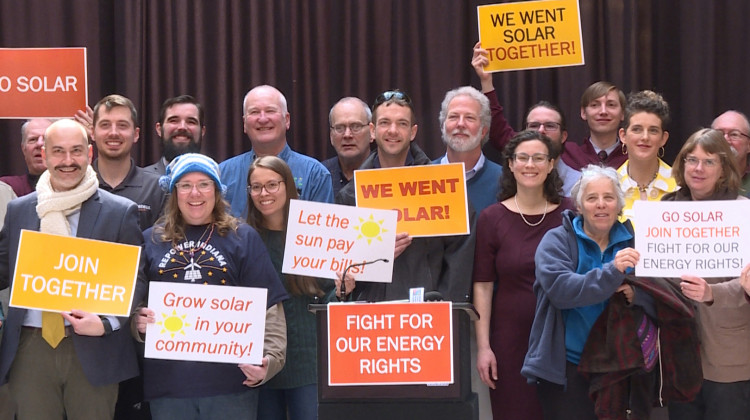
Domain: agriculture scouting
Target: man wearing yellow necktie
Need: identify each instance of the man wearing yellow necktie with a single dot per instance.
(66, 365)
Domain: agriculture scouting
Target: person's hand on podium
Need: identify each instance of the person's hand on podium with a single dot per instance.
(487, 366)
(349, 285)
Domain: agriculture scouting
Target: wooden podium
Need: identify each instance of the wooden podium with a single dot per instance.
(396, 402)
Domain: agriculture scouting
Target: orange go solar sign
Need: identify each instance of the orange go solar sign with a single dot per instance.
(390, 343)
(42, 82)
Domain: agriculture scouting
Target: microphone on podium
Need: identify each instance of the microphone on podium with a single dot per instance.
(433, 296)
(348, 267)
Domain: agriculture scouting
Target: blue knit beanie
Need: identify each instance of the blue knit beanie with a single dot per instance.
(191, 162)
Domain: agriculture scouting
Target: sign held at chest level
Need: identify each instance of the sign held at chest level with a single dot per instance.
(431, 200)
(61, 273)
(208, 323)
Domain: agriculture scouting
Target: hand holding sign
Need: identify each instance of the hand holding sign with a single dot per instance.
(144, 317)
(480, 60)
(84, 323)
(254, 374)
(696, 288)
(626, 258)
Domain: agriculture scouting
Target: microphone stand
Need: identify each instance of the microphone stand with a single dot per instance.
(346, 270)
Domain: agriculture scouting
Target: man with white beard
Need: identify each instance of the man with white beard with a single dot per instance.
(736, 131)
(465, 124)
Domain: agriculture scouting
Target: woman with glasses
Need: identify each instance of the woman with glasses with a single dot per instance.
(197, 242)
(644, 176)
(705, 169)
(294, 390)
(508, 232)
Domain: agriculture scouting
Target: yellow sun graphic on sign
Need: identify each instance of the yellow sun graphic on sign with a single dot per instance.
(173, 323)
(370, 229)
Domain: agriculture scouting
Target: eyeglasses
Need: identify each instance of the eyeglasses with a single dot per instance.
(355, 128)
(735, 135)
(396, 95)
(187, 188)
(692, 162)
(548, 126)
(270, 186)
(536, 158)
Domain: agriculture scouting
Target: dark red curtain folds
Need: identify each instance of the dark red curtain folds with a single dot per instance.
(693, 52)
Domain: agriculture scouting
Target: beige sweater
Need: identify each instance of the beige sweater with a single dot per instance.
(724, 326)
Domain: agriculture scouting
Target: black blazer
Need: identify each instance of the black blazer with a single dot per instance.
(104, 216)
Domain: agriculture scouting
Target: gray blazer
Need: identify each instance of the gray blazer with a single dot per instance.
(104, 216)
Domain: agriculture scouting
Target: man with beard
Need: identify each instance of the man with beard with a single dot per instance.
(32, 139)
(465, 124)
(181, 128)
(736, 131)
(115, 131)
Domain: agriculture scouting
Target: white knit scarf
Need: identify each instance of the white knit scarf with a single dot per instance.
(53, 207)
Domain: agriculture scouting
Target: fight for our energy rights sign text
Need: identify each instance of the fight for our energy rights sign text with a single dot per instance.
(701, 238)
(390, 343)
(531, 34)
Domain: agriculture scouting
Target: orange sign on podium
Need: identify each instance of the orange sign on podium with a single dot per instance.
(390, 343)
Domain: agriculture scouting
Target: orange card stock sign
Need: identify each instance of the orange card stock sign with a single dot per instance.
(42, 82)
(430, 199)
(61, 273)
(390, 343)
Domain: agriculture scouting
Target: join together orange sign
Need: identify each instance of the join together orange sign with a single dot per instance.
(42, 82)
(390, 343)
(60, 273)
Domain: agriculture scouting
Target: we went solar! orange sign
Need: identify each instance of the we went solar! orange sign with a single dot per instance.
(42, 82)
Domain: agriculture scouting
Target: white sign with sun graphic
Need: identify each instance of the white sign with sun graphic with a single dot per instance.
(206, 323)
(325, 238)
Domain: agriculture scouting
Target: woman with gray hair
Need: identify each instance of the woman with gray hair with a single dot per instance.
(579, 267)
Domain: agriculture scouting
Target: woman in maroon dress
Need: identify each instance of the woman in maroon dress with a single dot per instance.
(508, 233)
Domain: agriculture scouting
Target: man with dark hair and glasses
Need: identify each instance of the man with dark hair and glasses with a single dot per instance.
(349, 121)
(465, 124)
(736, 129)
(548, 119)
(602, 107)
(266, 122)
(435, 263)
(181, 128)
